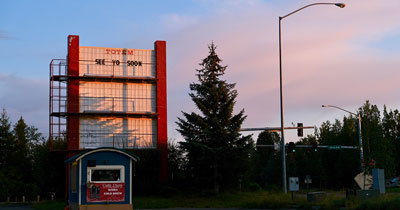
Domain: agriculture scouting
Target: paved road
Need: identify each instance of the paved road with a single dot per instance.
(15, 207)
(202, 209)
(194, 209)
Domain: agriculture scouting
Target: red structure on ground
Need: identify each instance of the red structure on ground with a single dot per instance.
(110, 97)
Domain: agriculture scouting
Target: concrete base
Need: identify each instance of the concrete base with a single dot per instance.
(102, 207)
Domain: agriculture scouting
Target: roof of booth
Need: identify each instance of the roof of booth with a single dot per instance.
(103, 149)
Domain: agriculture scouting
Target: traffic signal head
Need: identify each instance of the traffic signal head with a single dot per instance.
(300, 129)
(291, 147)
(315, 147)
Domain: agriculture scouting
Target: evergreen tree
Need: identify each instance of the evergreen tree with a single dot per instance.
(376, 148)
(6, 139)
(176, 163)
(217, 153)
(263, 157)
(22, 161)
(391, 132)
(49, 167)
(338, 166)
(6, 150)
(307, 161)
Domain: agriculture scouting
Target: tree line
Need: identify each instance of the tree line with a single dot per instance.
(27, 167)
(215, 155)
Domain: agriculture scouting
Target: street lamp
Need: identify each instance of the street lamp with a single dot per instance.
(341, 5)
(359, 132)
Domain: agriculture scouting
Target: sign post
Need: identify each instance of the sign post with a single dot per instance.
(308, 181)
(293, 185)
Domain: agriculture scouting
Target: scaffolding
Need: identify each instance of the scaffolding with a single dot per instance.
(114, 111)
(58, 100)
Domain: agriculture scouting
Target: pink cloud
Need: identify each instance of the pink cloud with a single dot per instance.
(327, 59)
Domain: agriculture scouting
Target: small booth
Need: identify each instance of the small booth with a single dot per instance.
(101, 179)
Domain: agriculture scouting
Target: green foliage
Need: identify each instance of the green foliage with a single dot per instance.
(264, 169)
(16, 159)
(376, 146)
(217, 154)
(253, 187)
(49, 205)
(21, 161)
(176, 165)
(388, 201)
(391, 133)
(7, 145)
(49, 168)
(338, 167)
(147, 170)
(256, 199)
(27, 166)
(305, 162)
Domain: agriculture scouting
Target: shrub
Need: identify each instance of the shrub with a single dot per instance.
(252, 187)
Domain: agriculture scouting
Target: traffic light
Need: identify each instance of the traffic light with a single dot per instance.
(291, 147)
(300, 129)
(315, 147)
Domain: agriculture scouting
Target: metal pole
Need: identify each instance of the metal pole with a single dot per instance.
(282, 127)
(359, 132)
(341, 5)
(360, 142)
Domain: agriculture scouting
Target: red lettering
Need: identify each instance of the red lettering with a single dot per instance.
(119, 52)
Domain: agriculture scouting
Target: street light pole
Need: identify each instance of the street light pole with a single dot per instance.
(359, 132)
(282, 124)
(341, 5)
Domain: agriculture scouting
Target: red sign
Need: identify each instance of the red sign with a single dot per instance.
(105, 192)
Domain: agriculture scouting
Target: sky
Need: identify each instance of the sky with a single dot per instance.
(330, 55)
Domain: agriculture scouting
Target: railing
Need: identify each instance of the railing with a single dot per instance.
(117, 140)
(117, 104)
(58, 67)
(57, 99)
(107, 105)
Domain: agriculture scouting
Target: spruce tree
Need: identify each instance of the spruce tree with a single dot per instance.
(218, 155)
(6, 149)
(21, 159)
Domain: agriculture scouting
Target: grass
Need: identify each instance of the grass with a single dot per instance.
(393, 190)
(223, 200)
(258, 199)
(47, 205)
(387, 201)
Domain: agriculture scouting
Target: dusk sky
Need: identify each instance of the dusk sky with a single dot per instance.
(333, 56)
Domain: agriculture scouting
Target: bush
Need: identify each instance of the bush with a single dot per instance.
(252, 187)
(169, 191)
(383, 202)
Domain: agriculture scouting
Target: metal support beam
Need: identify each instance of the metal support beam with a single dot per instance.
(310, 146)
(275, 129)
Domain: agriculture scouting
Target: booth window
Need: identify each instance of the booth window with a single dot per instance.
(101, 175)
(106, 174)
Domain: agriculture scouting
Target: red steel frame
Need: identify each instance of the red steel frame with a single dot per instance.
(162, 136)
(73, 114)
(73, 94)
